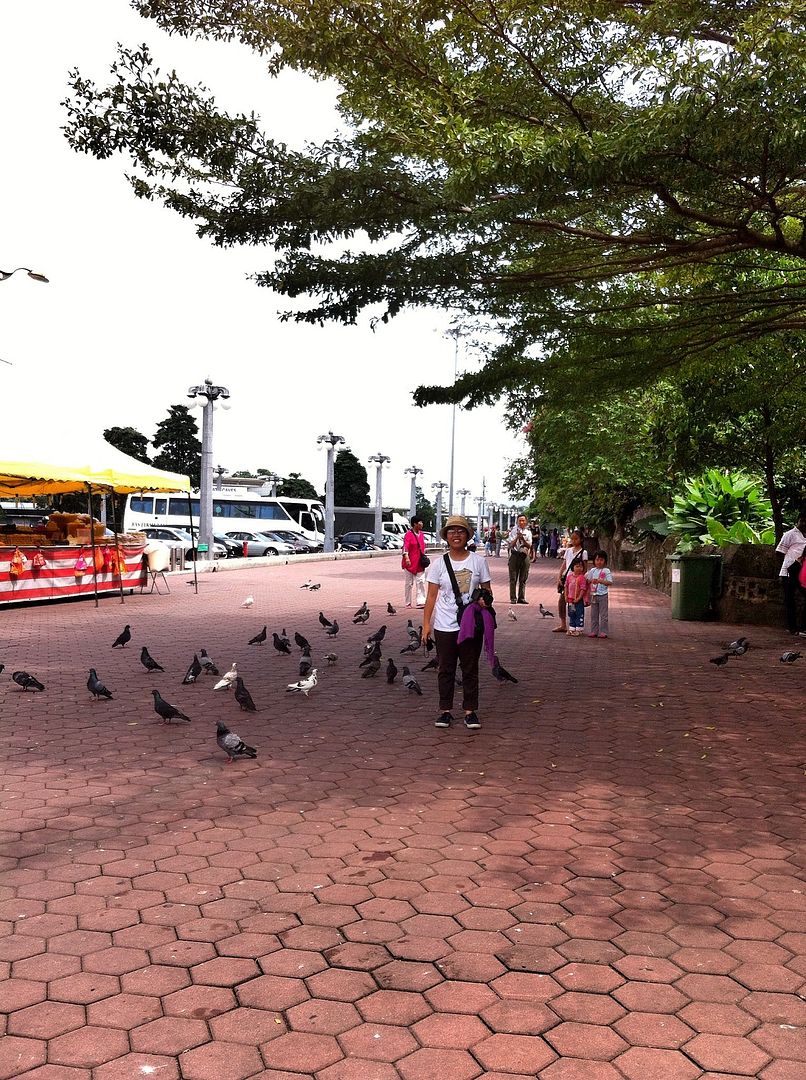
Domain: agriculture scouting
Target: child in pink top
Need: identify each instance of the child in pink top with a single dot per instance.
(577, 588)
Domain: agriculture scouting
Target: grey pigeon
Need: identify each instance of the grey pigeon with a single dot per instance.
(302, 642)
(281, 645)
(193, 672)
(207, 663)
(123, 638)
(738, 643)
(305, 665)
(500, 673)
(391, 671)
(739, 650)
(148, 661)
(721, 660)
(324, 621)
(390, 610)
(96, 687)
(414, 634)
(786, 658)
(432, 665)
(26, 681)
(333, 630)
(410, 683)
(371, 669)
(358, 619)
(373, 656)
(232, 744)
(545, 612)
(166, 711)
(243, 697)
(331, 658)
(363, 610)
(379, 634)
(258, 639)
(412, 647)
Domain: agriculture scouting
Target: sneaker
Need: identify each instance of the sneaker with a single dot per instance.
(443, 720)
(472, 722)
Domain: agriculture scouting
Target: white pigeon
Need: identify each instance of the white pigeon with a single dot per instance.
(248, 601)
(512, 615)
(227, 680)
(307, 584)
(304, 685)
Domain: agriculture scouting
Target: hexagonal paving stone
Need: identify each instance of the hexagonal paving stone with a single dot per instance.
(457, 997)
(272, 992)
(301, 1051)
(88, 1046)
(377, 1042)
(46, 1020)
(17, 1055)
(639, 1063)
(323, 1017)
(593, 1041)
(727, 1053)
(429, 1063)
(523, 1053)
(199, 1002)
(715, 1019)
(224, 1061)
(654, 1029)
(138, 1065)
(393, 1007)
(450, 1031)
(83, 988)
(124, 1011)
(168, 1035)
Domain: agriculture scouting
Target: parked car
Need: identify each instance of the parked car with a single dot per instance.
(179, 538)
(300, 543)
(233, 548)
(258, 544)
(357, 541)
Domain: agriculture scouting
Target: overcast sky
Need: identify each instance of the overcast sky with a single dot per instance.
(138, 308)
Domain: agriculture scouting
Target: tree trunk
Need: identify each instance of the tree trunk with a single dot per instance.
(769, 474)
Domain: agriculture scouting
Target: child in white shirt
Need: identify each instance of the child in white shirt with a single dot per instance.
(600, 578)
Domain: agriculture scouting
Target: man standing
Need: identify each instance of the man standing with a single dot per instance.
(792, 547)
(519, 542)
(413, 568)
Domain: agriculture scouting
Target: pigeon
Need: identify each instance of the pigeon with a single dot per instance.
(232, 744)
(96, 687)
(302, 642)
(304, 686)
(786, 658)
(390, 610)
(372, 668)
(412, 647)
(432, 665)
(284, 637)
(2, 668)
(228, 678)
(361, 618)
(148, 661)
(512, 616)
(305, 665)
(166, 711)
(720, 660)
(193, 672)
(738, 643)
(28, 682)
(379, 634)
(545, 612)
(391, 671)
(282, 645)
(258, 639)
(410, 683)
(739, 650)
(372, 657)
(363, 610)
(313, 588)
(207, 663)
(500, 673)
(325, 622)
(248, 602)
(333, 630)
(123, 638)
(412, 632)
(331, 658)
(310, 585)
(243, 697)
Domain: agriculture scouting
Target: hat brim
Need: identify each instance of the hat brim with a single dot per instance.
(443, 532)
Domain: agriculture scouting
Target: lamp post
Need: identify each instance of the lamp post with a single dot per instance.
(413, 496)
(491, 509)
(439, 487)
(331, 441)
(380, 460)
(6, 274)
(205, 395)
(501, 510)
(272, 479)
(220, 472)
(464, 492)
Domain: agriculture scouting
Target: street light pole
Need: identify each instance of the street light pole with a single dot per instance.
(220, 472)
(413, 496)
(206, 395)
(272, 479)
(439, 487)
(464, 492)
(331, 441)
(380, 460)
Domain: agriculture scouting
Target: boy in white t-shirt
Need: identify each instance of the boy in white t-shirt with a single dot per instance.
(600, 578)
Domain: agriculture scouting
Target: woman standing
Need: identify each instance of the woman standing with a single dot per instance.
(572, 555)
(413, 559)
(451, 578)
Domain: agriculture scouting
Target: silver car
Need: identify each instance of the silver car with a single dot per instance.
(259, 544)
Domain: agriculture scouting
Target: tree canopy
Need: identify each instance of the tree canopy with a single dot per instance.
(606, 183)
(179, 445)
(295, 486)
(350, 485)
(129, 441)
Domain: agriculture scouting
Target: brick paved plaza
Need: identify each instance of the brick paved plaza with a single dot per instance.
(605, 883)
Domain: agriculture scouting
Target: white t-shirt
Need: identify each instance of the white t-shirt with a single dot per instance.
(569, 554)
(600, 578)
(470, 573)
(791, 546)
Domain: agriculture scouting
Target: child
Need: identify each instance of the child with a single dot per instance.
(576, 593)
(600, 578)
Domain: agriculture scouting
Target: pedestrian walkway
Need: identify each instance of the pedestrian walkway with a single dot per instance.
(604, 883)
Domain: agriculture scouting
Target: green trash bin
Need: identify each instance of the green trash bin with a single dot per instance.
(696, 580)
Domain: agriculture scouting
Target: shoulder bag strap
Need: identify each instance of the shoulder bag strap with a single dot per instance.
(454, 584)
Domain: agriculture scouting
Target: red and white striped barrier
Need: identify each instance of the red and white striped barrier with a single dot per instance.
(59, 576)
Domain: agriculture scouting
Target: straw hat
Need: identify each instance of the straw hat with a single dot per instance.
(454, 521)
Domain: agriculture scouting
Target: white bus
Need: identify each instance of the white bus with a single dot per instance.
(233, 509)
